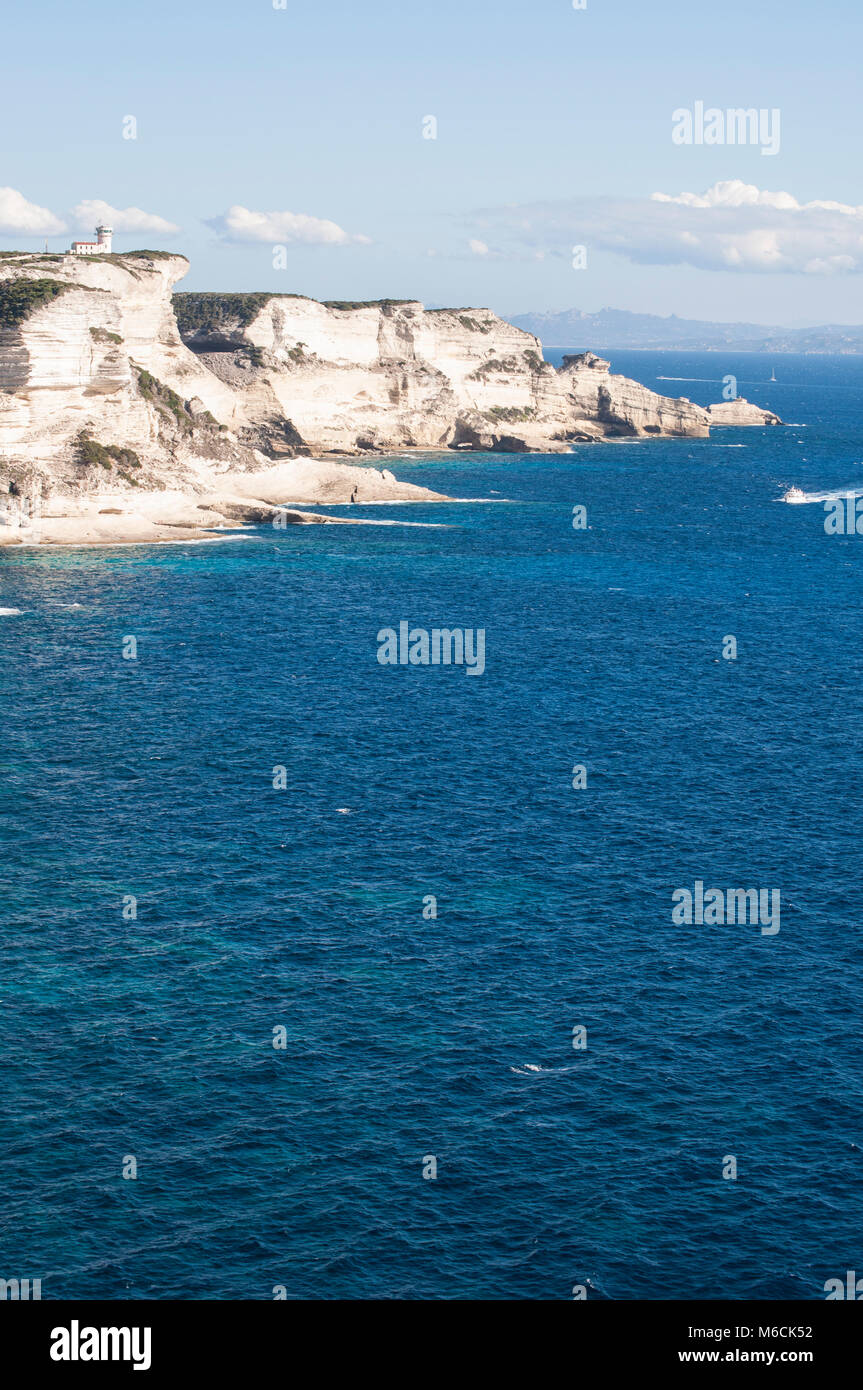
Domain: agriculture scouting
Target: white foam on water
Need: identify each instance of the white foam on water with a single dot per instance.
(833, 496)
(131, 545)
(531, 1069)
(405, 502)
(11, 612)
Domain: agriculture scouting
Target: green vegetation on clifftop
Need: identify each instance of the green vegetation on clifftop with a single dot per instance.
(211, 313)
(20, 298)
(364, 303)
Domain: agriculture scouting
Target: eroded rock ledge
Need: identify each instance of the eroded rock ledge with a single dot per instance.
(112, 389)
(357, 378)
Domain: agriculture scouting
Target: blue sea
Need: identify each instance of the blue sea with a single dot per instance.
(149, 1037)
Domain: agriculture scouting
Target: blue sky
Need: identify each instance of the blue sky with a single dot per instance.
(553, 128)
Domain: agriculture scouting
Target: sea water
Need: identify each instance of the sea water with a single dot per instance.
(461, 951)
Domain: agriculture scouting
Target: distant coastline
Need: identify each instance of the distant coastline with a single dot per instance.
(605, 348)
(616, 329)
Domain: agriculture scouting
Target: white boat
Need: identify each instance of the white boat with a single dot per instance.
(773, 374)
(794, 494)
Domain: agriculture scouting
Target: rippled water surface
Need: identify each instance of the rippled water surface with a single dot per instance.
(303, 908)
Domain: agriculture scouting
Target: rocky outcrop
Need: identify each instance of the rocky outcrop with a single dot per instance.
(391, 375)
(109, 387)
(740, 412)
(101, 400)
(621, 408)
(91, 361)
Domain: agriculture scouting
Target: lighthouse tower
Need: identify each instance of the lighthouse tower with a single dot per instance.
(100, 247)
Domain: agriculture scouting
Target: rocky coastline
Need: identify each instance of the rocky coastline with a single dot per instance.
(131, 413)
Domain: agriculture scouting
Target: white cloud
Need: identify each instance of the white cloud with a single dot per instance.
(734, 193)
(93, 211)
(20, 217)
(479, 248)
(732, 226)
(289, 228)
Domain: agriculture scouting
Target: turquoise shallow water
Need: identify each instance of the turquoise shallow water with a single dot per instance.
(302, 907)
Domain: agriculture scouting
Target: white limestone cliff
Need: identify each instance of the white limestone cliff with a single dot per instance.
(740, 412)
(102, 405)
(105, 398)
(393, 375)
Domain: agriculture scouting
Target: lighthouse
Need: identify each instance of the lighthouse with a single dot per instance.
(100, 247)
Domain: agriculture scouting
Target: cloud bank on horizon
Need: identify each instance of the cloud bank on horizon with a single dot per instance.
(93, 211)
(733, 226)
(291, 228)
(23, 218)
(20, 217)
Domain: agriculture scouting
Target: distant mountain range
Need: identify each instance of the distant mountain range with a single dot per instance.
(576, 331)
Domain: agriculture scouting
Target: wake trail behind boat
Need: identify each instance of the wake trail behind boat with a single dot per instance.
(796, 495)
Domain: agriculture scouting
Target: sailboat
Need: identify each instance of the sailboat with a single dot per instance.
(773, 374)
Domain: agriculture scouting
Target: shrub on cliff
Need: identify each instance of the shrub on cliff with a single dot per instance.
(364, 303)
(20, 298)
(210, 313)
(535, 362)
(511, 413)
(164, 399)
(494, 364)
(474, 325)
(89, 451)
(103, 335)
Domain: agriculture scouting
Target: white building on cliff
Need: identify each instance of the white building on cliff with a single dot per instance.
(100, 247)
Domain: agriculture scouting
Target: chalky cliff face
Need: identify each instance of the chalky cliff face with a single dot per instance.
(88, 349)
(101, 387)
(395, 375)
